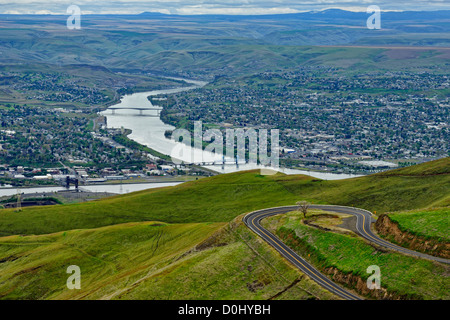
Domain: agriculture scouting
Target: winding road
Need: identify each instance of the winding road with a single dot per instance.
(363, 222)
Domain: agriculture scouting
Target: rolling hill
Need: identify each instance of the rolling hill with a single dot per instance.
(188, 241)
(222, 198)
(210, 45)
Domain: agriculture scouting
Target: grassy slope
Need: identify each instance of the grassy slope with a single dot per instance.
(441, 166)
(123, 261)
(149, 260)
(34, 267)
(223, 197)
(407, 276)
(429, 223)
(237, 265)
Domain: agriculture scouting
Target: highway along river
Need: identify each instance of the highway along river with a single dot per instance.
(148, 129)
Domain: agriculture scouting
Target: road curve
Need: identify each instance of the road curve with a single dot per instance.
(363, 222)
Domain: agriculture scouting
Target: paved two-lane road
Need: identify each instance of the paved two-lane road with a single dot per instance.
(363, 222)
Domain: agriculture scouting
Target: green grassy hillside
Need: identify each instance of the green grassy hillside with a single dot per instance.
(425, 230)
(405, 276)
(34, 267)
(150, 260)
(432, 223)
(200, 249)
(441, 166)
(222, 198)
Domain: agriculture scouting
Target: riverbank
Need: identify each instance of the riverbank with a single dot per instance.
(97, 188)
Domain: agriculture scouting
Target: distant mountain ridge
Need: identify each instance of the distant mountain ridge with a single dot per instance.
(312, 15)
(205, 46)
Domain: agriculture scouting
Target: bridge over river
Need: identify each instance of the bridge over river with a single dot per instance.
(141, 109)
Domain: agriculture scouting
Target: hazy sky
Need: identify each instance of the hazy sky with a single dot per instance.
(211, 6)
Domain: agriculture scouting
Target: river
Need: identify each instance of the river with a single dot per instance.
(148, 129)
(109, 188)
